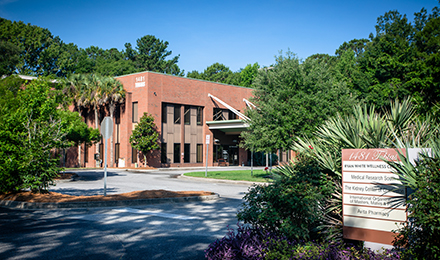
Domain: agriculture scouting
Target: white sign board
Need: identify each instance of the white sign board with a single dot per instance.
(373, 203)
(208, 139)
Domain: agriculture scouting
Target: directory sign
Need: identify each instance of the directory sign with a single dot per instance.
(373, 201)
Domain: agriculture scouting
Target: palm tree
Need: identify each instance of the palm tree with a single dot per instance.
(94, 98)
(112, 93)
(77, 91)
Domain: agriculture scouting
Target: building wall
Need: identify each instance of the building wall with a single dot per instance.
(151, 90)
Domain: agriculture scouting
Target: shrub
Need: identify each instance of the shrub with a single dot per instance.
(245, 243)
(420, 237)
(293, 205)
(257, 244)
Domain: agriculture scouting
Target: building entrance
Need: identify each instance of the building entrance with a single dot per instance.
(227, 153)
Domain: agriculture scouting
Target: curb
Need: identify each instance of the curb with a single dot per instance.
(97, 204)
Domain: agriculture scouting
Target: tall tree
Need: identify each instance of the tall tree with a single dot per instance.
(9, 57)
(248, 74)
(356, 45)
(292, 99)
(145, 137)
(33, 42)
(387, 59)
(151, 54)
(77, 91)
(113, 94)
(217, 72)
(426, 75)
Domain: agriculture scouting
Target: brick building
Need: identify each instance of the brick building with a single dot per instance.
(185, 112)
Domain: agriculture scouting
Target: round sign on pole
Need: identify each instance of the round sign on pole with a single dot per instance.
(107, 127)
(106, 131)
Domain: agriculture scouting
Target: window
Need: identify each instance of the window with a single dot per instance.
(232, 115)
(133, 155)
(176, 153)
(199, 115)
(176, 114)
(199, 153)
(187, 115)
(116, 152)
(186, 153)
(86, 153)
(163, 153)
(101, 151)
(218, 114)
(164, 113)
(135, 112)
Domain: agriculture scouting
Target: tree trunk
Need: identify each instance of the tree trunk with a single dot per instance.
(112, 110)
(145, 160)
(79, 155)
(97, 127)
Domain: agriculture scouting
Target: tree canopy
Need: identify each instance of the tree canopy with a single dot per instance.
(292, 99)
(31, 50)
(33, 125)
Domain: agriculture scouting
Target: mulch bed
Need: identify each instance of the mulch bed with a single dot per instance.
(55, 197)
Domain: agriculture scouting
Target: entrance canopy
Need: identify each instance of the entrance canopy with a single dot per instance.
(229, 127)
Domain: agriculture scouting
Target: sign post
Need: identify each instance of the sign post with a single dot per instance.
(208, 139)
(106, 131)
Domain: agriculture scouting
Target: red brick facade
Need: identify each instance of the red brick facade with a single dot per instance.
(158, 94)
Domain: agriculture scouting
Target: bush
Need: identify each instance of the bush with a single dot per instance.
(420, 238)
(246, 243)
(257, 244)
(285, 250)
(293, 205)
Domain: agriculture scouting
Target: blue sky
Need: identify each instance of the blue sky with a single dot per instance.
(235, 33)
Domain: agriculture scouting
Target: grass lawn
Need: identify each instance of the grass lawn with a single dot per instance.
(244, 175)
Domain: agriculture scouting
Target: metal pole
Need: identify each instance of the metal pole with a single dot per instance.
(252, 163)
(105, 168)
(270, 162)
(207, 153)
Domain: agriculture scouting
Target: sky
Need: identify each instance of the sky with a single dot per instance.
(234, 33)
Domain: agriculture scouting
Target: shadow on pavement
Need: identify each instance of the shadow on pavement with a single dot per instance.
(167, 231)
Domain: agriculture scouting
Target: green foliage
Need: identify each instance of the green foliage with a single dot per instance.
(357, 46)
(9, 57)
(399, 60)
(216, 73)
(77, 132)
(248, 74)
(420, 237)
(244, 175)
(399, 126)
(145, 137)
(292, 206)
(31, 129)
(151, 54)
(293, 98)
(32, 50)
